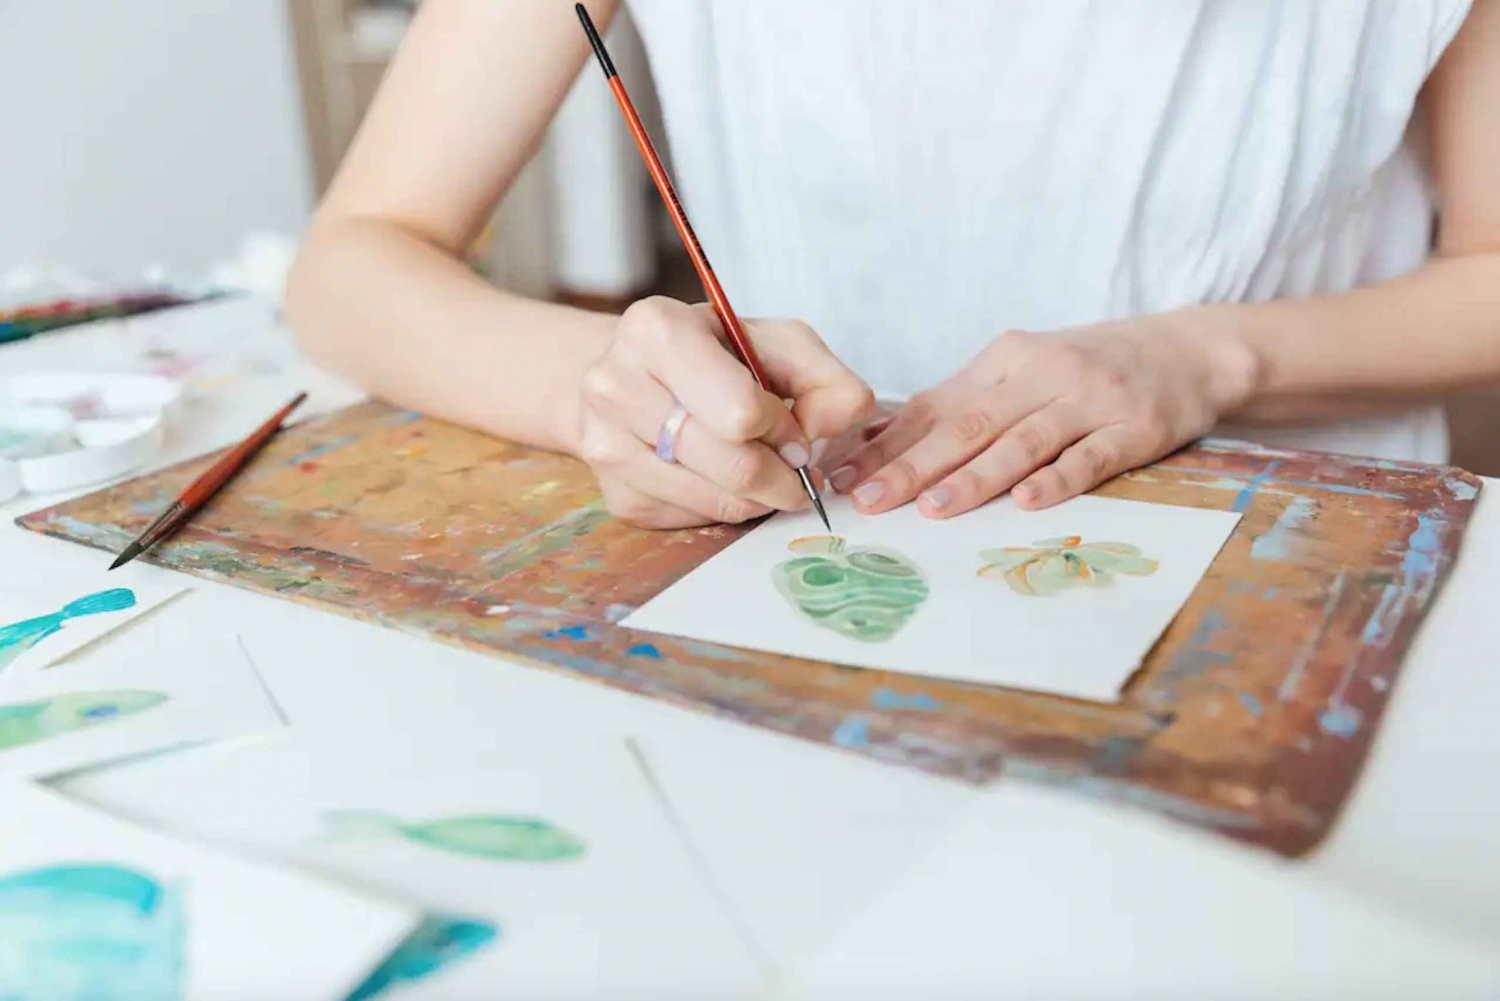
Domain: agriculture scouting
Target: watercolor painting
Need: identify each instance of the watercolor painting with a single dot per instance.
(866, 593)
(29, 722)
(1052, 566)
(480, 836)
(438, 942)
(18, 637)
(89, 933)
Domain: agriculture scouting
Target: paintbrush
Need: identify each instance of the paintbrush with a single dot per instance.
(725, 312)
(201, 490)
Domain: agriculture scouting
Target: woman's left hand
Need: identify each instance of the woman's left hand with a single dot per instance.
(1051, 415)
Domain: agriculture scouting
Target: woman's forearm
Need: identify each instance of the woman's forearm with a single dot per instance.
(1369, 349)
(415, 326)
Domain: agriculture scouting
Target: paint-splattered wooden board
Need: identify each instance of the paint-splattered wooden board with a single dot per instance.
(1251, 716)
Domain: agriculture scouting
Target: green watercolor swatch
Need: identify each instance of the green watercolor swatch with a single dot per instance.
(1052, 566)
(479, 836)
(29, 722)
(866, 593)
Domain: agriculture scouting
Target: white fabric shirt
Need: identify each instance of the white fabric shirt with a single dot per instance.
(913, 178)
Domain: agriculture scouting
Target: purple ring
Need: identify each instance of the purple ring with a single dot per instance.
(666, 435)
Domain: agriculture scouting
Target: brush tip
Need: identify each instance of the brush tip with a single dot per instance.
(130, 552)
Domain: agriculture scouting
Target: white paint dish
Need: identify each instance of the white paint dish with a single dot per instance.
(73, 429)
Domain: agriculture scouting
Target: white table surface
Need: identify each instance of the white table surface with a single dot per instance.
(870, 881)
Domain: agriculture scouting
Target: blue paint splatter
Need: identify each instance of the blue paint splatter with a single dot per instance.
(318, 451)
(1251, 703)
(853, 732)
(1194, 658)
(614, 613)
(1377, 631)
(889, 698)
(644, 650)
(1281, 541)
(1252, 485)
(1461, 489)
(1422, 548)
(1344, 488)
(568, 632)
(1340, 720)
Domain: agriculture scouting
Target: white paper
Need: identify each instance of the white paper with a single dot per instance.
(629, 917)
(128, 696)
(1083, 642)
(86, 899)
(38, 628)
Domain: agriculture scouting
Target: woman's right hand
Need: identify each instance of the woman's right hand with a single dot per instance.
(738, 449)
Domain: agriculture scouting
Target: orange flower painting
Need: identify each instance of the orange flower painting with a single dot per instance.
(1052, 566)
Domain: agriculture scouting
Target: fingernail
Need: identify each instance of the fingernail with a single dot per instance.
(794, 453)
(819, 445)
(842, 478)
(1026, 493)
(870, 492)
(938, 498)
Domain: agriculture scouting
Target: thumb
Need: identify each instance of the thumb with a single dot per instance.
(827, 397)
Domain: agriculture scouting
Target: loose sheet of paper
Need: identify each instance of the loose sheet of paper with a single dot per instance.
(93, 906)
(547, 862)
(131, 694)
(1065, 600)
(40, 628)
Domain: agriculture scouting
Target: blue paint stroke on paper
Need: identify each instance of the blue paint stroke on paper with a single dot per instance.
(18, 637)
(644, 650)
(853, 732)
(438, 942)
(1281, 541)
(889, 698)
(89, 933)
(25, 723)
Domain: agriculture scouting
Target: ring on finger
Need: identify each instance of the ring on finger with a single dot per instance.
(668, 433)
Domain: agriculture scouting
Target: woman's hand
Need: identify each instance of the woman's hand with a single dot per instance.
(738, 448)
(1048, 416)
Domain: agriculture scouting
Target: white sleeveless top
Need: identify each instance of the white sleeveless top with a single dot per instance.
(913, 178)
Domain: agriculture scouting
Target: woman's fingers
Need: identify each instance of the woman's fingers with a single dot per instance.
(750, 469)
(954, 439)
(678, 345)
(915, 418)
(1033, 442)
(1081, 467)
(619, 458)
(827, 397)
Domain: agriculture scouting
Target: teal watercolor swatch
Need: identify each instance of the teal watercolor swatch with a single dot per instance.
(480, 836)
(437, 943)
(89, 933)
(18, 637)
(29, 722)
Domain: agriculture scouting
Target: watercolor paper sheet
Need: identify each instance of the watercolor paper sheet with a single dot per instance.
(131, 695)
(93, 907)
(544, 867)
(1067, 600)
(39, 627)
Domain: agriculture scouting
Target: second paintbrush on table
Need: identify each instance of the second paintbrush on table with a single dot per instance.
(202, 490)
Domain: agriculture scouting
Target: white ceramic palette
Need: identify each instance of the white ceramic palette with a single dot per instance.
(60, 430)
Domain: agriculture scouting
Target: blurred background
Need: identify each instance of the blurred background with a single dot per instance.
(156, 136)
